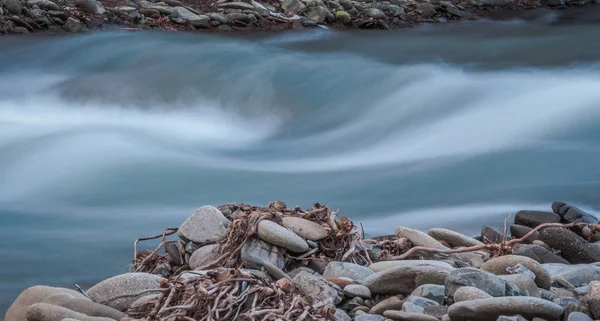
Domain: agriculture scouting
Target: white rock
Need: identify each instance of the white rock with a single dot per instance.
(305, 228)
(203, 255)
(32, 295)
(207, 225)
(128, 283)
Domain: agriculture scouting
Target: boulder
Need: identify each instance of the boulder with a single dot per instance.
(384, 265)
(523, 282)
(276, 234)
(207, 225)
(128, 283)
(357, 290)
(499, 265)
(572, 247)
(539, 254)
(469, 293)
(203, 256)
(305, 228)
(433, 292)
(50, 312)
(91, 6)
(535, 218)
(577, 275)
(492, 308)
(483, 280)
(315, 288)
(405, 279)
(36, 294)
(353, 271)
(455, 239)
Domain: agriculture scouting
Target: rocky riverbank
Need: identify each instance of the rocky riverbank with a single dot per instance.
(25, 16)
(241, 262)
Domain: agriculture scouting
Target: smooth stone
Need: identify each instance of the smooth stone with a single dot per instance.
(13, 6)
(451, 9)
(411, 308)
(203, 256)
(163, 8)
(369, 317)
(579, 316)
(582, 290)
(357, 290)
(293, 6)
(256, 252)
(433, 292)
(469, 293)
(512, 318)
(436, 311)
(84, 306)
(571, 213)
(535, 218)
(519, 231)
(315, 288)
(276, 234)
(594, 290)
(50, 312)
(539, 254)
(91, 6)
(128, 283)
(140, 305)
(391, 303)
(173, 250)
(196, 21)
(295, 271)
(426, 10)
(490, 309)
(564, 301)
(207, 225)
(318, 14)
(35, 294)
(343, 17)
(455, 239)
(384, 265)
(499, 265)
(375, 13)
(219, 17)
(236, 5)
(406, 316)
(483, 280)
(421, 301)
(405, 279)
(572, 247)
(305, 228)
(577, 275)
(418, 238)
(523, 282)
(594, 308)
(43, 4)
(490, 235)
(353, 271)
(341, 315)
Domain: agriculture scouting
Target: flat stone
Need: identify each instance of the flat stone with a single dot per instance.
(353, 271)
(418, 238)
(341, 315)
(391, 303)
(499, 265)
(433, 292)
(84, 306)
(412, 308)
(255, 252)
(578, 316)
(203, 256)
(523, 282)
(572, 247)
(305, 228)
(570, 213)
(519, 231)
(50, 312)
(357, 290)
(421, 301)
(535, 218)
(35, 294)
(369, 317)
(196, 21)
(455, 239)
(276, 234)
(165, 9)
(384, 265)
(405, 279)
(407, 316)
(236, 5)
(206, 226)
(490, 235)
(483, 280)
(490, 309)
(91, 6)
(128, 283)
(469, 293)
(577, 275)
(539, 254)
(315, 288)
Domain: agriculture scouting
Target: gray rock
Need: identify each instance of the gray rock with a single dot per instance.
(207, 225)
(357, 290)
(293, 6)
(165, 9)
(315, 288)
(427, 10)
(513, 318)
(305, 228)
(369, 317)
(539, 254)
(384, 265)
(417, 237)
(295, 271)
(570, 213)
(32, 295)
(203, 255)
(50, 312)
(405, 279)
(84, 306)
(407, 316)
(490, 235)
(276, 234)
(577, 275)
(236, 5)
(519, 231)
(152, 13)
(73, 25)
(13, 6)
(219, 17)
(412, 308)
(91, 6)
(500, 264)
(353, 271)
(535, 218)
(582, 290)
(483, 280)
(43, 4)
(469, 293)
(523, 282)
(420, 301)
(40, 16)
(341, 315)
(492, 308)
(433, 292)
(375, 13)
(572, 247)
(578, 316)
(128, 283)
(564, 301)
(201, 21)
(451, 9)
(255, 252)
(455, 239)
(391, 303)
(318, 14)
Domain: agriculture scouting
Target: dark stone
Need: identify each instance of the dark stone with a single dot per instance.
(490, 235)
(539, 254)
(535, 218)
(20, 22)
(572, 247)
(571, 214)
(518, 231)
(594, 308)
(173, 252)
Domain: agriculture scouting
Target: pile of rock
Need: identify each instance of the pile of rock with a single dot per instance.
(239, 262)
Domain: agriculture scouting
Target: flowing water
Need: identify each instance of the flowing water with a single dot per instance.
(111, 136)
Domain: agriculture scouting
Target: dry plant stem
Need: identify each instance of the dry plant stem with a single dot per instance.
(133, 294)
(153, 253)
(168, 231)
(484, 246)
